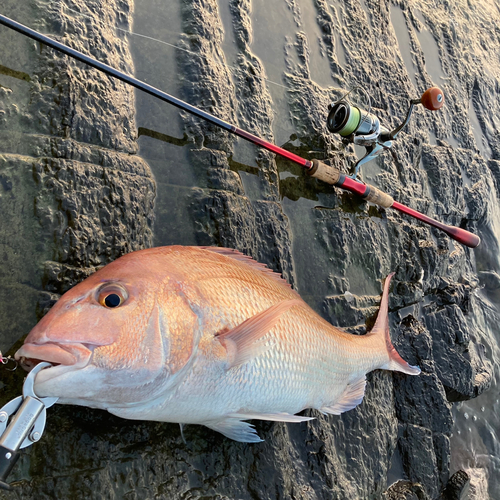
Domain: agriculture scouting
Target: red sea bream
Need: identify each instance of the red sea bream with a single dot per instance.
(201, 336)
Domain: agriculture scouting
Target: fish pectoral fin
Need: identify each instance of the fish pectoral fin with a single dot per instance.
(234, 428)
(245, 342)
(273, 417)
(350, 398)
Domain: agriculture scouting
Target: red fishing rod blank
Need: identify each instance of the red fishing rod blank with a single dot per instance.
(314, 168)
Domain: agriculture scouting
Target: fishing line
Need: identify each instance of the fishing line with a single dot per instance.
(5, 360)
(140, 35)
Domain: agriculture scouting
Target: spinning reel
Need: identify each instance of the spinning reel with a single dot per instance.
(357, 126)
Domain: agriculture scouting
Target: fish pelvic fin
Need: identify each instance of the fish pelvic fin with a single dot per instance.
(381, 329)
(235, 429)
(245, 342)
(350, 398)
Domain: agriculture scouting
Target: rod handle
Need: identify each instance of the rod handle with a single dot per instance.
(378, 197)
(325, 173)
(332, 175)
(462, 236)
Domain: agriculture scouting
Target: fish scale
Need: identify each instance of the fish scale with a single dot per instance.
(287, 373)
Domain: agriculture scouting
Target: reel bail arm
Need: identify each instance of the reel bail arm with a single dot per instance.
(26, 426)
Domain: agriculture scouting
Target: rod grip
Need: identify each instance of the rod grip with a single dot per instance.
(378, 197)
(325, 173)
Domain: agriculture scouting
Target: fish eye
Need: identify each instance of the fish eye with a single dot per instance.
(111, 296)
(112, 300)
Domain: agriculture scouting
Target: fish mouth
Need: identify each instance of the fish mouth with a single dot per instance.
(71, 354)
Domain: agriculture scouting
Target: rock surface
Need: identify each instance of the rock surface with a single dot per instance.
(76, 195)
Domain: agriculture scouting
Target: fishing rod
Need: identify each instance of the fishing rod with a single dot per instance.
(355, 126)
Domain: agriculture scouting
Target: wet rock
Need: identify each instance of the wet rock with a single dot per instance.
(77, 195)
(405, 490)
(206, 80)
(458, 365)
(353, 310)
(458, 487)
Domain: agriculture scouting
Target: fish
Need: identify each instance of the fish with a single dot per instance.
(202, 335)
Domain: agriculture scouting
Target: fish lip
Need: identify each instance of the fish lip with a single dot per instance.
(74, 354)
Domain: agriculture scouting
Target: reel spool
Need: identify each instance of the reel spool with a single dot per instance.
(345, 119)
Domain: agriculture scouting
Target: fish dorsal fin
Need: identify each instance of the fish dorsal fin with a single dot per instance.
(381, 329)
(273, 417)
(244, 342)
(234, 428)
(236, 255)
(350, 398)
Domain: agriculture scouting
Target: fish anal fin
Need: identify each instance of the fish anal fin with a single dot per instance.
(381, 330)
(234, 428)
(273, 417)
(350, 398)
(245, 342)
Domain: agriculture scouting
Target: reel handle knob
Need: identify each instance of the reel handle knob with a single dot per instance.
(432, 98)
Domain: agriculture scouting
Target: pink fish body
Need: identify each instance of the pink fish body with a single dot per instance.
(201, 336)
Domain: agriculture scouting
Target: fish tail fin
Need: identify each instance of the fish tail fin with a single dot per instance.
(381, 329)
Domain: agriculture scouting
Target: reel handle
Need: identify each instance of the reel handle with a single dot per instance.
(432, 99)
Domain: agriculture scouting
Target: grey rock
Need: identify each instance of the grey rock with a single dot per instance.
(74, 194)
